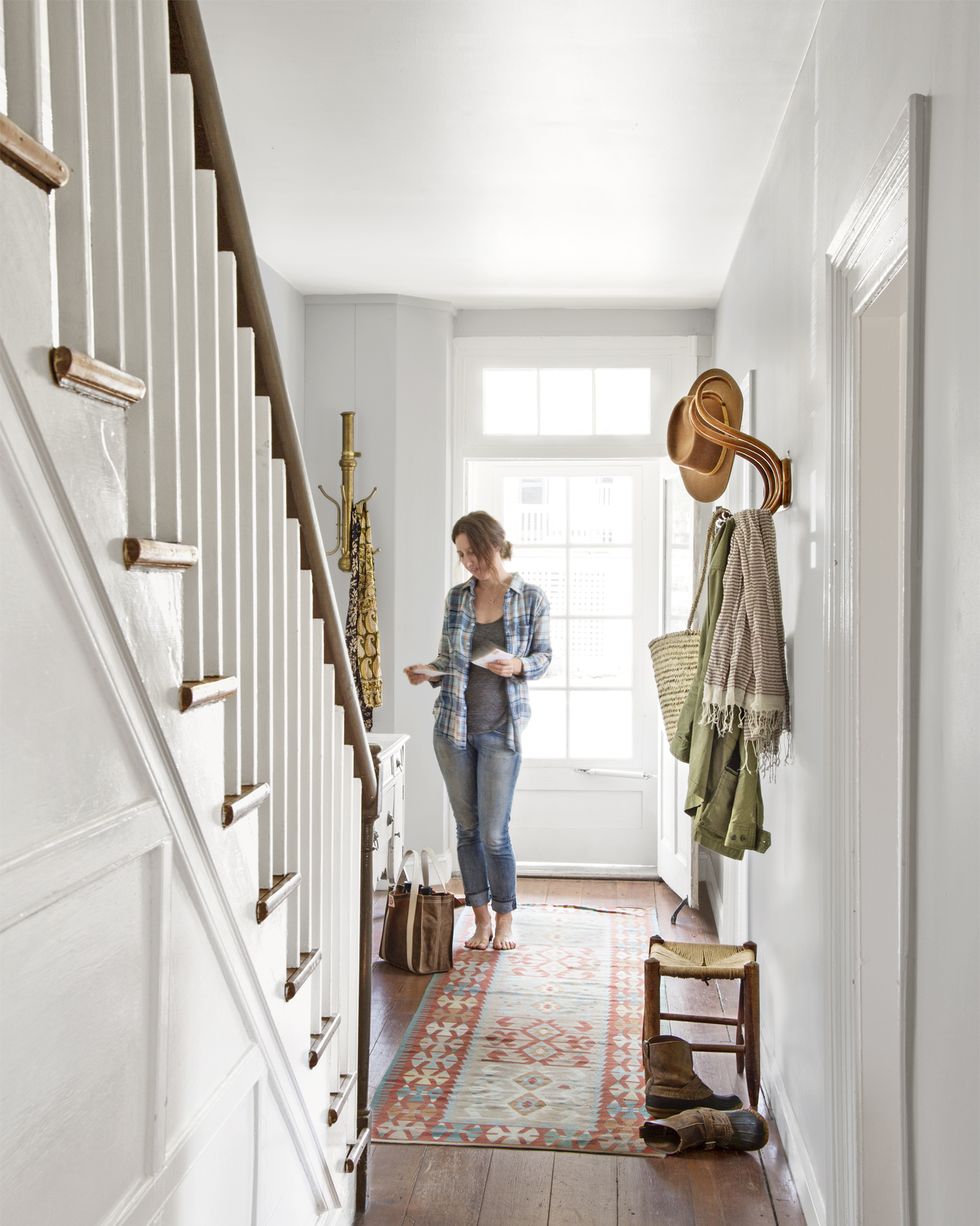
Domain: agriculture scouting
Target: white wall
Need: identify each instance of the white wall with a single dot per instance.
(387, 358)
(865, 60)
(287, 307)
(583, 321)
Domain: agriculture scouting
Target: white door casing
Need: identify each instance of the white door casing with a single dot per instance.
(677, 853)
(876, 284)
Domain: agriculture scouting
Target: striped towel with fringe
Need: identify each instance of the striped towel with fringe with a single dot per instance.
(745, 680)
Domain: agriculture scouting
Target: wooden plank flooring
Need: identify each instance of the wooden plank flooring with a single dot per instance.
(432, 1185)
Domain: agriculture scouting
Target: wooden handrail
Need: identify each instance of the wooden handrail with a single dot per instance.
(189, 54)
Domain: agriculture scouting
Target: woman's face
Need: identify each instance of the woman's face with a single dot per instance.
(468, 558)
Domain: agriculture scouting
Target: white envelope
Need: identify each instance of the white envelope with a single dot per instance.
(426, 671)
(491, 656)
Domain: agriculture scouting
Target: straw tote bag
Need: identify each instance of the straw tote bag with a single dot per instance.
(675, 655)
(417, 934)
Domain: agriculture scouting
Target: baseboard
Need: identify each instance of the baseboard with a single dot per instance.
(797, 1155)
(557, 868)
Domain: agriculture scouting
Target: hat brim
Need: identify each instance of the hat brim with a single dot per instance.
(709, 487)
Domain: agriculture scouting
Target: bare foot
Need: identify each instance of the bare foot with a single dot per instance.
(503, 937)
(481, 936)
(483, 933)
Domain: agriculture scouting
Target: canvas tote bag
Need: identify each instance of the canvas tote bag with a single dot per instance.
(675, 655)
(417, 933)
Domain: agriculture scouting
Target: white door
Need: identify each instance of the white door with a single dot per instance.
(677, 852)
(587, 532)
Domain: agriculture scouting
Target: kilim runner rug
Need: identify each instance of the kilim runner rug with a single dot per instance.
(535, 1048)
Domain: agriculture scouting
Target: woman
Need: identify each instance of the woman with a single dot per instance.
(480, 713)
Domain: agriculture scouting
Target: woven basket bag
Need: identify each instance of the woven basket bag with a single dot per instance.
(675, 655)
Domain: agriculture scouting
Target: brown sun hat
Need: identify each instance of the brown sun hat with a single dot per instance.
(705, 467)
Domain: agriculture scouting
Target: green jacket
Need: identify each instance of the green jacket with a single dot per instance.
(724, 799)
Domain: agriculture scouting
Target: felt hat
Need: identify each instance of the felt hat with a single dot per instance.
(705, 467)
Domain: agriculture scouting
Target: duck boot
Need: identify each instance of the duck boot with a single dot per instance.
(703, 1128)
(673, 1085)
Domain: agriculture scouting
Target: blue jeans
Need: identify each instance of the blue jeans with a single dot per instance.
(480, 780)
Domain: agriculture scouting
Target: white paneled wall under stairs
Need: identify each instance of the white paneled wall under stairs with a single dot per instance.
(181, 839)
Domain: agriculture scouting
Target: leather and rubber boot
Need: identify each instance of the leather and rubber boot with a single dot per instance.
(703, 1128)
(673, 1085)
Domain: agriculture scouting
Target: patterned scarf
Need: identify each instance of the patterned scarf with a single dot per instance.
(746, 675)
(362, 635)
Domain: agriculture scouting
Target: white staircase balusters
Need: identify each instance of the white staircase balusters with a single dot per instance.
(135, 243)
(188, 363)
(210, 544)
(309, 938)
(263, 631)
(331, 771)
(340, 921)
(282, 796)
(69, 103)
(102, 144)
(320, 706)
(351, 834)
(247, 554)
(27, 67)
(293, 728)
(227, 357)
(163, 385)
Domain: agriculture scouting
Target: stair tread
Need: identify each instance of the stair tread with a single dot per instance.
(281, 888)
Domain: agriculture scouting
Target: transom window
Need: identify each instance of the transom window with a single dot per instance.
(573, 401)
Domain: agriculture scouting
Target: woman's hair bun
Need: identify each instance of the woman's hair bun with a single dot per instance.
(506, 549)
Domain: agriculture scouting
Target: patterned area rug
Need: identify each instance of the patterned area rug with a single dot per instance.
(538, 1048)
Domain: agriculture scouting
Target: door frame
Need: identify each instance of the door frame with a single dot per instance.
(641, 772)
(883, 232)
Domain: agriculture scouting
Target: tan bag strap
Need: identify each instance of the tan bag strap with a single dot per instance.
(719, 516)
(422, 860)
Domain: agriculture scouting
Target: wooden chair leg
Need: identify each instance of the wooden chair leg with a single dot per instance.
(751, 1024)
(651, 999)
(740, 1028)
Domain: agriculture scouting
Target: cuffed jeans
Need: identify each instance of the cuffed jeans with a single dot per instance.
(480, 780)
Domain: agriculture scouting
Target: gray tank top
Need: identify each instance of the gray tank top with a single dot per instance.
(486, 693)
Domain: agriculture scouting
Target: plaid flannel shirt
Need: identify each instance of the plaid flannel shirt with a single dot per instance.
(527, 634)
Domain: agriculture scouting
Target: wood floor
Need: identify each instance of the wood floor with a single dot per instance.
(450, 1185)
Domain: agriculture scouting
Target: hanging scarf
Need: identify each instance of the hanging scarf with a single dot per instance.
(746, 675)
(362, 635)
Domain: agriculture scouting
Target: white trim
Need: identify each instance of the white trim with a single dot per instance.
(794, 1146)
(427, 304)
(147, 1201)
(885, 228)
(557, 868)
(30, 464)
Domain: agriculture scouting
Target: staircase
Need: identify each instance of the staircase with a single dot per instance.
(203, 883)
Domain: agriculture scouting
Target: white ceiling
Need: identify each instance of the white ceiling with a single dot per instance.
(505, 152)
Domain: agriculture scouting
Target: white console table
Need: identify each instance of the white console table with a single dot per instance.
(388, 749)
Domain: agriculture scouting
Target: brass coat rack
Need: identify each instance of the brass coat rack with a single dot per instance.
(345, 508)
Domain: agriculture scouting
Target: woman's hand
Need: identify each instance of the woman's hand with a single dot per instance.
(415, 677)
(507, 668)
